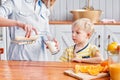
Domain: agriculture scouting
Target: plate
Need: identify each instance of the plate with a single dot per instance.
(84, 76)
(21, 38)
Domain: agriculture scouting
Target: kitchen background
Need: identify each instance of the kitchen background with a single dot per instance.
(61, 11)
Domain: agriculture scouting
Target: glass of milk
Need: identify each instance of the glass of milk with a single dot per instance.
(50, 43)
(52, 47)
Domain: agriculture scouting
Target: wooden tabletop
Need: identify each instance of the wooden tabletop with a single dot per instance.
(36, 70)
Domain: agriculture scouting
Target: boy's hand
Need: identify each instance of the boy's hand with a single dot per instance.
(57, 43)
(76, 60)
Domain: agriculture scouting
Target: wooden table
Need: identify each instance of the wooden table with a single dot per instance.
(29, 70)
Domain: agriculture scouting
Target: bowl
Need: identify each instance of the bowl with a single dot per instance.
(93, 15)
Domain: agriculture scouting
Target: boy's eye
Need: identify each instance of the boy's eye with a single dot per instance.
(78, 32)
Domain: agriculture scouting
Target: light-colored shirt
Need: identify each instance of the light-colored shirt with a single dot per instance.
(88, 51)
(27, 12)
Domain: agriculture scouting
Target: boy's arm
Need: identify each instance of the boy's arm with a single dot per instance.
(63, 58)
(88, 60)
(67, 55)
(96, 58)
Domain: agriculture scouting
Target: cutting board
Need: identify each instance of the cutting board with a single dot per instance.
(84, 76)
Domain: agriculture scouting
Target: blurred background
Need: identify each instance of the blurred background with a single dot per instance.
(61, 9)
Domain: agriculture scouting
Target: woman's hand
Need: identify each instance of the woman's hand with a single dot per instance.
(28, 28)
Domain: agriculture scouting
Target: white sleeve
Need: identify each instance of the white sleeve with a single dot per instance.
(6, 8)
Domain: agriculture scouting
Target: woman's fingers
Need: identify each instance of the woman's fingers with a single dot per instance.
(35, 30)
(29, 29)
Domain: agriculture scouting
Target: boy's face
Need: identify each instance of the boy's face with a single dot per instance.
(79, 35)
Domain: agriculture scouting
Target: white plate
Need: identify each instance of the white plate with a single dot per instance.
(21, 38)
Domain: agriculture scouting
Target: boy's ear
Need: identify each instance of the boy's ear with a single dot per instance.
(89, 34)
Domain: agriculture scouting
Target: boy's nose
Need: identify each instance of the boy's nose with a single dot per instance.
(73, 34)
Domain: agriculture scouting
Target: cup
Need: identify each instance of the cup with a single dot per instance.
(51, 46)
(114, 65)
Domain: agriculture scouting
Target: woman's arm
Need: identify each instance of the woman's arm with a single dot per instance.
(8, 23)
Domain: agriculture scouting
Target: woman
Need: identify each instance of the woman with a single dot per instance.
(32, 12)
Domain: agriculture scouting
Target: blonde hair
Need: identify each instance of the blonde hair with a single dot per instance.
(85, 24)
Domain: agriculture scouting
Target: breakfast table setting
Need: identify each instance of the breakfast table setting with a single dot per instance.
(39, 70)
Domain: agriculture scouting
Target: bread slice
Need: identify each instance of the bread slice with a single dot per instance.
(22, 38)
